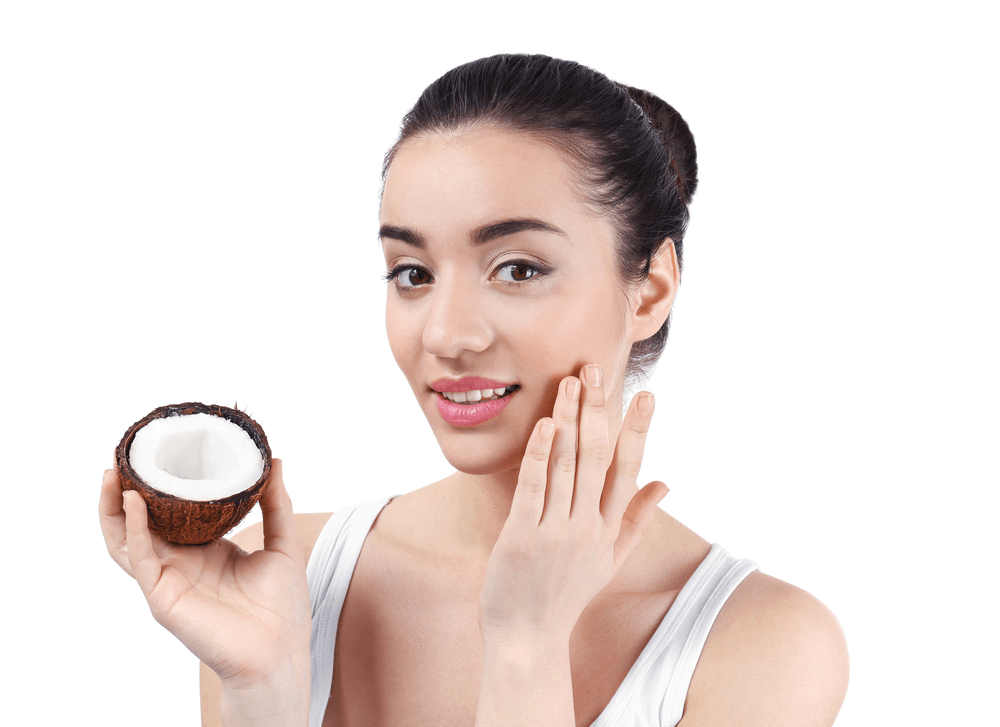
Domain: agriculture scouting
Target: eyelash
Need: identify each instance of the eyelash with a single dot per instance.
(539, 271)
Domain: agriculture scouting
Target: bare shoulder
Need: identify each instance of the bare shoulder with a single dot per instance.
(308, 524)
(775, 656)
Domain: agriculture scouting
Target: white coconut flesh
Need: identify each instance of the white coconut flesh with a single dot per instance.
(196, 457)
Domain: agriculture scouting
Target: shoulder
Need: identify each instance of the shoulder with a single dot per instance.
(775, 656)
(308, 525)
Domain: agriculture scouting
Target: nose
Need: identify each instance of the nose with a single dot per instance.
(456, 321)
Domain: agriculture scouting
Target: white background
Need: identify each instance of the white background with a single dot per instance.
(188, 207)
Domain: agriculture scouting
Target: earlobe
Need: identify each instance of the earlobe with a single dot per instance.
(656, 294)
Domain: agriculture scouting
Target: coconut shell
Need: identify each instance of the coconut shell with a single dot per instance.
(193, 522)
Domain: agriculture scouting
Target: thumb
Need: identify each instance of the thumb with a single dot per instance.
(280, 534)
(637, 519)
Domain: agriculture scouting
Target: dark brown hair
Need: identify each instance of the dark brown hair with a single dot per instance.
(635, 153)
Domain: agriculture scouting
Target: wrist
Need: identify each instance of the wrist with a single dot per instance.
(546, 638)
(277, 698)
(542, 649)
(526, 682)
(274, 706)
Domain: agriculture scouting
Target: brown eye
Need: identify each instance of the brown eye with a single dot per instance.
(408, 276)
(517, 272)
(417, 276)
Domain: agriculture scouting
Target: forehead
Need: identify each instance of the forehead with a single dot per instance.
(481, 175)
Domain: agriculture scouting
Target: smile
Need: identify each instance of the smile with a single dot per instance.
(473, 407)
(475, 396)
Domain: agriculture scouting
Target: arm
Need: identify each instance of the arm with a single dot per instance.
(775, 656)
(526, 684)
(576, 516)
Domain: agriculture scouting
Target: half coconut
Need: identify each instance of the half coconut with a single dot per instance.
(199, 468)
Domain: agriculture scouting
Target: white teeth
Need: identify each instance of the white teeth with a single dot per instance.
(476, 395)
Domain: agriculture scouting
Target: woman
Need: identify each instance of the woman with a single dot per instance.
(532, 222)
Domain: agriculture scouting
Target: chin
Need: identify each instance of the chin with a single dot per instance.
(482, 457)
(482, 465)
(489, 448)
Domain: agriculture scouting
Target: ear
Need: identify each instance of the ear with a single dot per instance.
(654, 297)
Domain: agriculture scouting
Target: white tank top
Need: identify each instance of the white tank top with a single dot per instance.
(655, 688)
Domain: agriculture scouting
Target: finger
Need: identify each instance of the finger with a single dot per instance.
(529, 496)
(280, 534)
(637, 519)
(145, 563)
(593, 455)
(627, 461)
(562, 459)
(112, 518)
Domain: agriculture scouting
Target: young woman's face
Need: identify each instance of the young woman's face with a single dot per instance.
(500, 271)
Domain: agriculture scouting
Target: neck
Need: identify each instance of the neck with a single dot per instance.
(477, 507)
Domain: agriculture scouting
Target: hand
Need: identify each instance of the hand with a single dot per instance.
(246, 616)
(576, 516)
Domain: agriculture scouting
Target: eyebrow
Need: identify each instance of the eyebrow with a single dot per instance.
(480, 236)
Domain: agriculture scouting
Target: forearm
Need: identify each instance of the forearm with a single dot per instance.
(281, 701)
(525, 685)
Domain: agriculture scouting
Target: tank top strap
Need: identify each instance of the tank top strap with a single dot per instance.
(655, 689)
(331, 565)
(652, 693)
(702, 606)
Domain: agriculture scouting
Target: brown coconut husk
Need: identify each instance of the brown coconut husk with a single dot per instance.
(193, 522)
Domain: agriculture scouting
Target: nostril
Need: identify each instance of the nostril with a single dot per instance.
(455, 326)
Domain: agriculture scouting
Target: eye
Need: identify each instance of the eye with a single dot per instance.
(518, 271)
(408, 276)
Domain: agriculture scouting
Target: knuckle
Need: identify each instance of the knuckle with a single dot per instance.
(596, 451)
(537, 451)
(535, 485)
(631, 468)
(537, 454)
(565, 463)
(567, 415)
(639, 429)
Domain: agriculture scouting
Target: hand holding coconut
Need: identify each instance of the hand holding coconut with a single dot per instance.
(245, 615)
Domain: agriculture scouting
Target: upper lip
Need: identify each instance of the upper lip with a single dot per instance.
(467, 383)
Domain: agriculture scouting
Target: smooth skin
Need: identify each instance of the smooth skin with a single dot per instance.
(245, 616)
(521, 589)
(571, 527)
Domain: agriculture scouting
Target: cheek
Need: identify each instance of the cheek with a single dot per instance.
(586, 328)
(403, 333)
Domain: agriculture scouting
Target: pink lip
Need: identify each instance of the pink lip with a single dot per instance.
(467, 383)
(471, 415)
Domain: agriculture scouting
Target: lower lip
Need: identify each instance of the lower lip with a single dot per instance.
(471, 415)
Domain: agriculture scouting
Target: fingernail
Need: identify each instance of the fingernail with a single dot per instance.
(547, 429)
(645, 403)
(573, 389)
(592, 372)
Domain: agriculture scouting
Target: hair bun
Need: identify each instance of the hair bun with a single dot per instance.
(675, 136)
